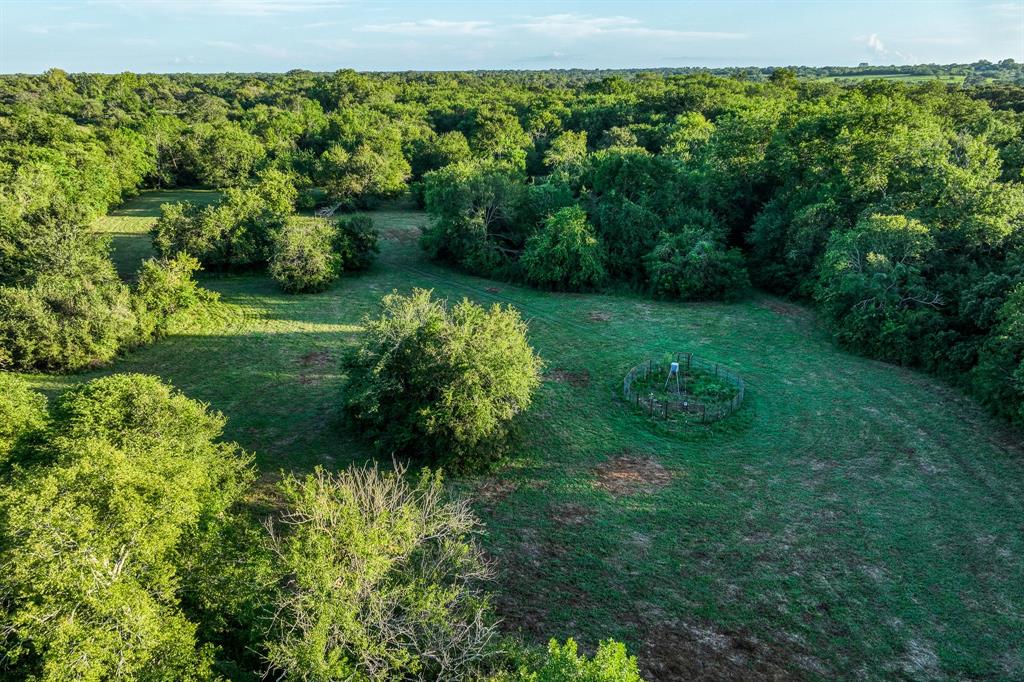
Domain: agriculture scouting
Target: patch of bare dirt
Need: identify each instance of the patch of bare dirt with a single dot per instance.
(630, 474)
(317, 358)
(402, 235)
(311, 363)
(681, 650)
(783, 308)
(571, 514)
(599, 316)
(494, 491)
(564, 376)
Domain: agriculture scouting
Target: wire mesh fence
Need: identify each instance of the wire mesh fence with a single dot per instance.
(684, 396)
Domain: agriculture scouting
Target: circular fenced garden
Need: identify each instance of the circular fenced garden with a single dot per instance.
(683, 388)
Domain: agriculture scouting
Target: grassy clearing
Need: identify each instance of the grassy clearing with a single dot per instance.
(128, 226)
(900, 77)
(853, 519)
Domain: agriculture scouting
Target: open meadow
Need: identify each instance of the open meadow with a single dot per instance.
(852, 519)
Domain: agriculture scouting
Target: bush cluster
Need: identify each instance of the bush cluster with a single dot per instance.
(441, 383)
(83, 316)
(236, 232)
(304, 258)
(307, 255)
(127, 555)
(607, 216)
(564, 253)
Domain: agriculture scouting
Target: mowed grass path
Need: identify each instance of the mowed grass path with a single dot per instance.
(853, 520)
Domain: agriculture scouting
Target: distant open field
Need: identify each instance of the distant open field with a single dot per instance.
(901, 77)
(853, 519)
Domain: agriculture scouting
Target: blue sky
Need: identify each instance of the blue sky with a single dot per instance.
(277, 35)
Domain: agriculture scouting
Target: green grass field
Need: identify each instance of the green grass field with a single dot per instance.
(852, 520)
(899, 77)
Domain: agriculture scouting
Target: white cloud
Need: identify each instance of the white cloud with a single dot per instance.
(238, 8)
(875, 44)
(575, 26)
(140, 42)
(1013, 10)
(431, 27)
(66, 27)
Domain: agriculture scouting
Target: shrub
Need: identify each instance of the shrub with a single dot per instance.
(693, 265)
(872, 289)
(442, 383)
(23, 414)
(356, 242)
(164, 288)
(380, 580)
(376, 169)
(236, 232)
(304, 259)
(999, 377)
(565, 253)
(611, 663)
(94, 539)
(66, 320)
(473, 209)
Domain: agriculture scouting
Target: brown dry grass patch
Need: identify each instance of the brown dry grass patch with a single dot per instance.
(311, 364)
(571, 514)
(630, 474)
(564, 376)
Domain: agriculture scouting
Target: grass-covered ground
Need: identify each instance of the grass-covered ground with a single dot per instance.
(852, 520)
(900, 77)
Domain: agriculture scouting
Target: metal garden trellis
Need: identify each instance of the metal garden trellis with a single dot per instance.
(689, 406)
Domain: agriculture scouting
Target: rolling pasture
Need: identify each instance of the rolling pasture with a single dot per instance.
(853, 519)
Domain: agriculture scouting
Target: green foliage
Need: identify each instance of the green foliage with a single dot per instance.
(563, 663)
(567, 152)
(872, 288)
(136, 477)
(473, 207)
(66, 320)
(304, 257)
(496, 134)
(438, 151)
(219, 154)
(694, 265)
(999, 376)
(165, 288)
(380, 580)
(442, 383)
(630, 194)
(236, 232)
(23, 415)
(356, 242)
(367, 171)
(565, 253)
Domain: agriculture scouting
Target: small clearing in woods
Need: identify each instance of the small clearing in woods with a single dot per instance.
(779, 543)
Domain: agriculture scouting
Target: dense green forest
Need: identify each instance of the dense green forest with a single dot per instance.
(893, 206)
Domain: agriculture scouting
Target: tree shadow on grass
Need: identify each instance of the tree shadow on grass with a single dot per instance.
(281, 393)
